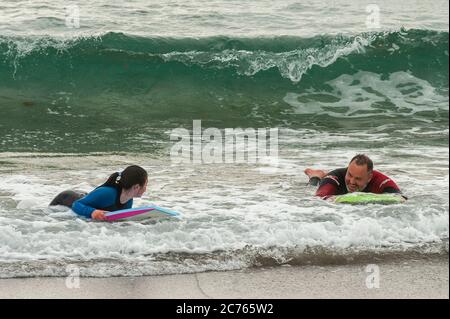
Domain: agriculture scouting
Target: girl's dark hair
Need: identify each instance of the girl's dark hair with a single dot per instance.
(130, 176)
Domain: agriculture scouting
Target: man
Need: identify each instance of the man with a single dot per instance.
(359, 176)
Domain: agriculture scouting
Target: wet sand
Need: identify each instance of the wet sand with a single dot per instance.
(400, 279)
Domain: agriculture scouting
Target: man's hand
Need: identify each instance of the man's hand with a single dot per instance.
(99, 214)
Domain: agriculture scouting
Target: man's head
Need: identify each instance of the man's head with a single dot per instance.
(359, 173)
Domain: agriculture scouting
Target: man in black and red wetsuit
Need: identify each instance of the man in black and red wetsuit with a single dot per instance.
(359, 176)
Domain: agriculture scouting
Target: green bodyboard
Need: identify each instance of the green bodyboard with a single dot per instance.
(369, 198)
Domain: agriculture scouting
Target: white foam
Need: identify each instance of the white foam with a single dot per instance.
(291, 65)
(359, 95)
(226, 208)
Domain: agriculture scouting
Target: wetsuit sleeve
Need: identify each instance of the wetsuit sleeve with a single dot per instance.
(326, 190)
(392, 188)
(100, 197)
(389, 186)
(328, 186)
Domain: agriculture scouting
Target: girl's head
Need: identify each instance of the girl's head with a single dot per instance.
(132, 179)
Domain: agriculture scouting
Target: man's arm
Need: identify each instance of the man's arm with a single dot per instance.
(389, 186)
(326, 190)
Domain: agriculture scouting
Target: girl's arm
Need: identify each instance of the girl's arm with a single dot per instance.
(100, 197)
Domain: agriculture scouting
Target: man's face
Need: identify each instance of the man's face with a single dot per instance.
(357, 177)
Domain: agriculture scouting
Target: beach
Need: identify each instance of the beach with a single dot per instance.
(402, 279)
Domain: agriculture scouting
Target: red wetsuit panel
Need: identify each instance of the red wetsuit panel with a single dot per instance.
(326, 190)
(380, 183)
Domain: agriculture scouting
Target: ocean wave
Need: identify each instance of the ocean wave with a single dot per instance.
(292, 57)
(87, 91)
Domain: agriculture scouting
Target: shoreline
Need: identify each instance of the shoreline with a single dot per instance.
(413, 278)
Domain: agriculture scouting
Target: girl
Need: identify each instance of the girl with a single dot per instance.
(115, 194)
